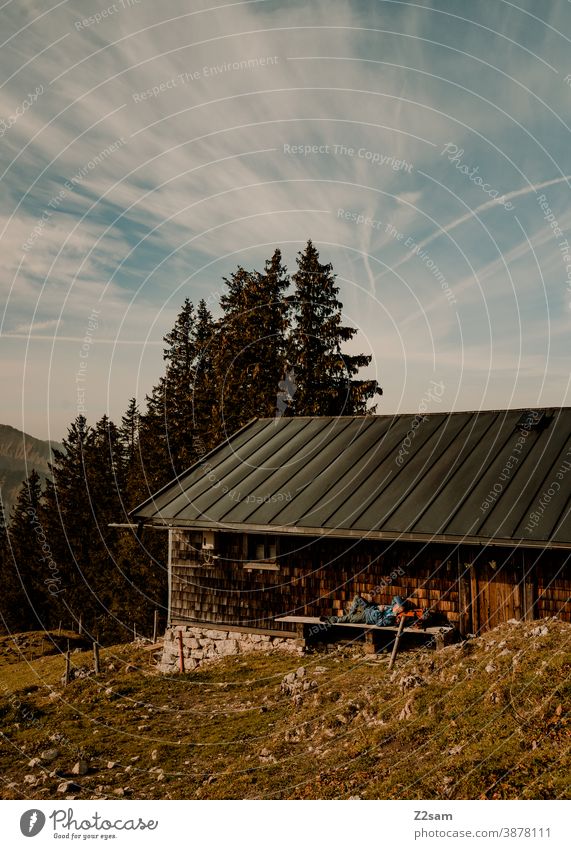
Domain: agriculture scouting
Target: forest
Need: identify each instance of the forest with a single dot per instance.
(276, 348)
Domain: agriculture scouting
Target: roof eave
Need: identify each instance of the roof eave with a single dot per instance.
(349, 533)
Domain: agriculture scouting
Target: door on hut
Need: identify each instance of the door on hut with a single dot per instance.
(496, 593)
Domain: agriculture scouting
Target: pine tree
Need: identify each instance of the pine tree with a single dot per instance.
(32, 578)
(204, 398)
(251, 345)
(324, 374)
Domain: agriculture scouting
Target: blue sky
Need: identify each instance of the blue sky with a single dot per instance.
(146, 150)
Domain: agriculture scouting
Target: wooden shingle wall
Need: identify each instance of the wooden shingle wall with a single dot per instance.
(474, 588)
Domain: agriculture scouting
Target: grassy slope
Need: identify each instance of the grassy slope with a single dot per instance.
(484, 720)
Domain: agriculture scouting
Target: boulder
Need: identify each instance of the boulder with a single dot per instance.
(80, 768)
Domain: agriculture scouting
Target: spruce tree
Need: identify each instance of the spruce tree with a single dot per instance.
(251, 345)
(31, 577)
(324, 373)
(204, 397)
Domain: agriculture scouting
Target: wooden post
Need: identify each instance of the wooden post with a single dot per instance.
(180, 653)
(96, 658)
(474, 600)
(80, 624)
(464, 609)
(529, 590)
(397, 640)
(155, 626)
(59, 628)
(370, 642)
(67, 668)
(134, 632)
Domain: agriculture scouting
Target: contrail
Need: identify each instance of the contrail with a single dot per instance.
(458, 221)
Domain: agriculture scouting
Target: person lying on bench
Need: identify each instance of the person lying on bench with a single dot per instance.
(363, 610)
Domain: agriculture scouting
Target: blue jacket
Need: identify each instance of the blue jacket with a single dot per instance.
(382, 614)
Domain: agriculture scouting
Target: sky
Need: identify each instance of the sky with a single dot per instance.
(147, 149)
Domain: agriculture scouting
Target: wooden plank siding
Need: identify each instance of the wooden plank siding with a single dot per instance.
(475, 588)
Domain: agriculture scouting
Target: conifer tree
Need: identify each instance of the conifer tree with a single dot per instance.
(324, 374)
(31, 582)
(204, 397)
(251, 349)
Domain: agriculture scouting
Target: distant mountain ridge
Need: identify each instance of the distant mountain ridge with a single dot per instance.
(19, 454)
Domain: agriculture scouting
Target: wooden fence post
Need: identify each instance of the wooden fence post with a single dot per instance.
(155, 626)
(67, 668)
(80, 624)
(96, 658)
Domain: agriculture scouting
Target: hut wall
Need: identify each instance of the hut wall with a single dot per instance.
(316, 577)
(475, 588)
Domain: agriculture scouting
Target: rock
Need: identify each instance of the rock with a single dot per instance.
(111, 764)
(143, 727)
(49, 755)
(300, 673)
(34, 762)
(30, 779)
(406, 712)
(216, 635)
(80, 768)
(289, 678)
(119, 791)
(410, 682)
(540, 631)
(319, 670)
(154, 754)
(228, 647)
(68, 787)
(490, 668)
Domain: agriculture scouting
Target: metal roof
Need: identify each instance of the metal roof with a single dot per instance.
(501, 475)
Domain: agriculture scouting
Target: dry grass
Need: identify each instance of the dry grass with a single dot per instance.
(488, 719)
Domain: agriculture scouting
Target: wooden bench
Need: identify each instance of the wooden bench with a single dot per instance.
(311, 628)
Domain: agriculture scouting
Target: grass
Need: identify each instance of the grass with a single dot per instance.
(487, 719)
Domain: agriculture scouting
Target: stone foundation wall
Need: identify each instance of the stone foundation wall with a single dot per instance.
(203, 644)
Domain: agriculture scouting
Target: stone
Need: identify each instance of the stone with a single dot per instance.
(235, 635)
(30, 779)
(289, 678)
(228, 647)
(540, 631)
(68, 787)
(34, 762)
(119, 791)
(216, 635)
(49, 755)
(111, 764)
(300, 673)
(80, 768)
(154, 754)
(490, 668)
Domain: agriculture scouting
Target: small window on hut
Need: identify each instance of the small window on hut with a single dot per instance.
(262, 552)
